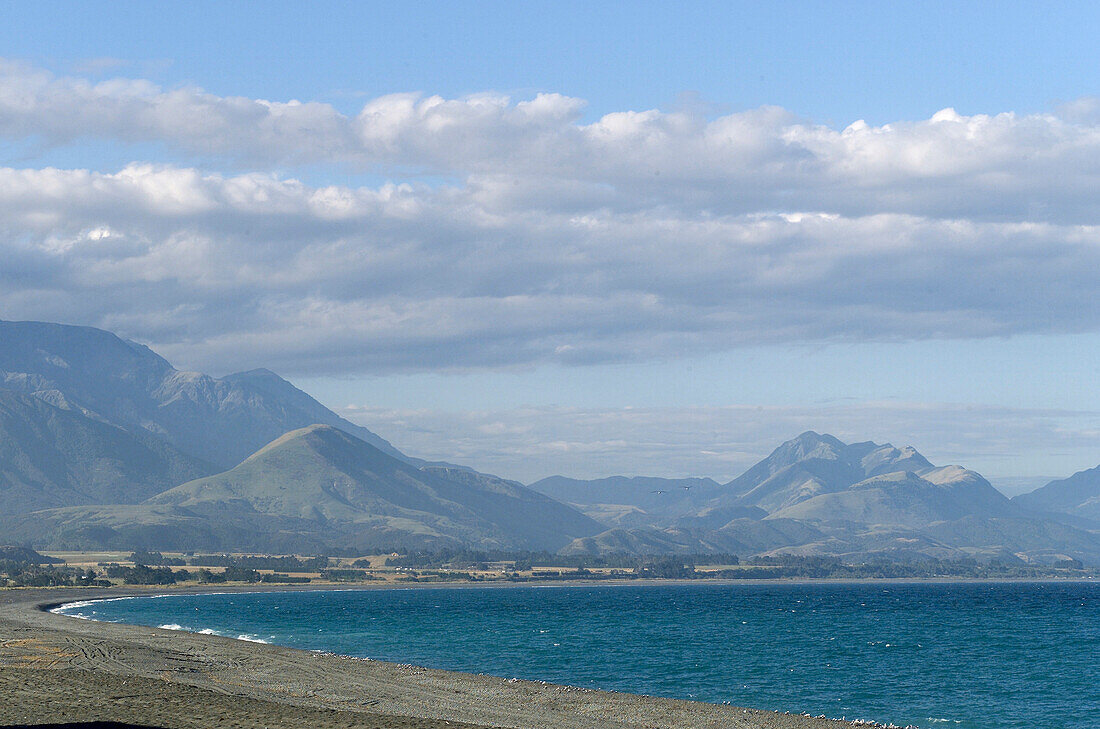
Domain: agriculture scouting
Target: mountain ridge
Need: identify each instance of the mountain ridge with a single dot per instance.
(104, 442)
(1078, 496)
(217, 420)
(52, 456)
(860, 499)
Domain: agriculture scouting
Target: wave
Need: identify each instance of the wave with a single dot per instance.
(249, 637)
(65, 608)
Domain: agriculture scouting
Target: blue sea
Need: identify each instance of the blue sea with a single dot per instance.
(932, 655)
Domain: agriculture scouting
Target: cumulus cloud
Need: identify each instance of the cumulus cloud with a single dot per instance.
(34, 103)
(722, 442)
(228, 271)
(1002, 166)
(639, 235)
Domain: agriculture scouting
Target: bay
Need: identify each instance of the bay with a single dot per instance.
(967, 655)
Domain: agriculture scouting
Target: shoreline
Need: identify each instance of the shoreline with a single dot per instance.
(290, 686)
(206, 589)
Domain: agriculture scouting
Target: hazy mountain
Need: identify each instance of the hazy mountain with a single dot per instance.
(856, 501)
(1034, 538)
(217, 420)
(97, 434)
(904, 498)
(50, 456)
(347, 487)
(813, 478)
(91, 424)
(1078, 495)
(631, 501)
(811, 465)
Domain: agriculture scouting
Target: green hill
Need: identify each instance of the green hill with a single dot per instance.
(353, 493)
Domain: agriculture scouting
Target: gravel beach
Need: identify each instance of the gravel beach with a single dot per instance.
(56, 669)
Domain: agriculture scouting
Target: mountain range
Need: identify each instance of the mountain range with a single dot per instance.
(103, 443)
(220, 421)
(817, 495)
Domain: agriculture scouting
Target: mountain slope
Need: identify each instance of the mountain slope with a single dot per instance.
(349, 489)
(906, 499)
(857, 501)
(814, 464)
(220, 421)
(1078, 495)
(302, 407)
(51, 457)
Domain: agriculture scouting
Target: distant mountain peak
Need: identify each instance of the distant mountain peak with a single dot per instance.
(812, 436)
(812, 439)
(812, 466)
(218, 420)
(257, 373)
(807, 445)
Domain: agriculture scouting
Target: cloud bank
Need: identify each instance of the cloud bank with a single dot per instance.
(722, 442)
(640, 235)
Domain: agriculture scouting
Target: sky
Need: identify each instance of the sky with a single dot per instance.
(582, 238)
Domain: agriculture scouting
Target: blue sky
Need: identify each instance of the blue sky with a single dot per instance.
(479, 278)
(832, 61)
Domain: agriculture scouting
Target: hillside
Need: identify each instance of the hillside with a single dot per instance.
(1078, 496)
(811, 465)
(349, 489)
(220, 421)
(51, 457)
(92, 425)
(906, 499)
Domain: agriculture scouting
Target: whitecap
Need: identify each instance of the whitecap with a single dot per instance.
(63, 608)
(251, 638)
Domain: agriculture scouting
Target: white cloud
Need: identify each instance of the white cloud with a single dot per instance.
(33, 103)
(642, 234)
(990, 167)
(228, 271)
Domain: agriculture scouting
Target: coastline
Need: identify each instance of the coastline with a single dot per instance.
(58, 668)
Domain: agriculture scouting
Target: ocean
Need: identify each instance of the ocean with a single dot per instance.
(932, 655)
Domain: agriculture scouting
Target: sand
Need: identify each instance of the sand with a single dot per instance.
(56, 669)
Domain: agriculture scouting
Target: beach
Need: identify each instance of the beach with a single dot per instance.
(59, 669)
